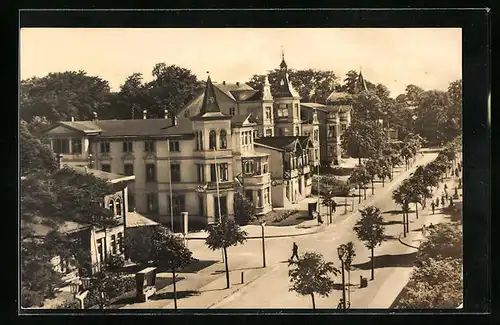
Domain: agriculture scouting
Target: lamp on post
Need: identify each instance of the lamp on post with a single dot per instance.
(341, 253)
(263, 245)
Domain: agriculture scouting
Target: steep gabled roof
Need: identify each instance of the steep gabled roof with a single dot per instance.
(280, 143)
(242, 120)
(339, 97)
(210, 106)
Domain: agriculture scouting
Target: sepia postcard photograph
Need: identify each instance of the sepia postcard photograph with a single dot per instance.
(240, 168)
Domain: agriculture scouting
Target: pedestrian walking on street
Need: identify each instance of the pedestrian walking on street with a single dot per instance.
(431, 226)
(424, 230)
(341, 304)
(320, 220)
(456, 172)
(442, 200)
(334, 206)
(451, 201)
(437, 202)
(445, 187)
(459, 167)
(433, 206)
(295, 251)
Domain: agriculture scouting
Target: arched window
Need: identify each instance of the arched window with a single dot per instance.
(212, 140)
(118, 208)
(223, 139)
(112, 206)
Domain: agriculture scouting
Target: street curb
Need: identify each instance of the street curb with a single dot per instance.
(270, 236)
(242, 287)
(402, 242)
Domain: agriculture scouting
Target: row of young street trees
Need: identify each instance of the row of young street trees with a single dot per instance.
(419, 187)
(311, 274)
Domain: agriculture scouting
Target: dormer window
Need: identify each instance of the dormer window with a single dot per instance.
(111, 206)
(118, 208)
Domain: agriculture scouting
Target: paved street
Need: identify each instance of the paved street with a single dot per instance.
(268, 287)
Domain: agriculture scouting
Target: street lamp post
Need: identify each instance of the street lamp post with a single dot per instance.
(341, 252)
(263, 245)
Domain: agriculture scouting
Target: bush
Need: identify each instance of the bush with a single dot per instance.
(115, 262)
(69, 304)
(284, 215)
(106, 287)
(330, 184)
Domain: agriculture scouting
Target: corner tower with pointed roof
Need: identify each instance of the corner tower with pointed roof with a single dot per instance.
(213, 154)
(287, 117)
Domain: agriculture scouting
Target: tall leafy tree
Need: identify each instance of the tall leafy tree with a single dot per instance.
(370, 229)
(222, 235)
(171, 89)
(402, 196)
(367, 106)
(134, 97)
(349, 255)
(310, 275)
(361, 177)
(328, 199)
(373, 168)
(170, 252)
(312, 85)
(363, 139)
(62, 95)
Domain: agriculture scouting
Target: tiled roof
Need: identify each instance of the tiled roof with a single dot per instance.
(339, 97)
(286, 143)
(319, 107)
(227, 89)
(135, 219)
(247, 95)
(238, 120)
(102, 174)
(141, 127)
(41, 229)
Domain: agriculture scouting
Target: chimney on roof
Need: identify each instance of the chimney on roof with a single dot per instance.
(72, 119)
(59, 160)
(95, 116)
(174, 120)
(165, 112)
(237, 83)
(144, 114)
(224, 82)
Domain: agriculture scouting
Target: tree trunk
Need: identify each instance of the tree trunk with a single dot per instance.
(364, 190)
(359, 193)
(331, 214)
(175, 289)
(314, 303)
(227, 268)
(407, 222)
(373, 188)
(392, 173)
(416, 209)
(373, 266)
(359, 160)
(383, 181)
(404, 224)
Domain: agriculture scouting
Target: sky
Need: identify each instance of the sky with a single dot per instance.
(427, 57)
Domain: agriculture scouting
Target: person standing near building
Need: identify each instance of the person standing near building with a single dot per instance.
(433, 206)
(295, 251)
(334, 206)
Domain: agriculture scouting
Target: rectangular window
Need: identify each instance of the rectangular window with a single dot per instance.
(128, 169)
(213, 173)
(343, 127)
(113, 244)
(231, 111)
(285, 131)
(255, 134)
(249, 195)
(131, 202)
(223, 172)
(259, 198)
(61, 146)
(201, 173)
(245, 134)
(104, 147)
(152, 204)
(268, 112)
(269, 132)
(297, 131)
(127, 146)
(174, 146)
(120, 242)
(179, 204)
(100, 252)
(106, 168)
(175, 173)
(76, 146)
(282, 112)
(201, 206)
(331, 131)
(150, 173)
(268, 193)
(149, 146)
(248, 167)
(265, 167)
(223, 206)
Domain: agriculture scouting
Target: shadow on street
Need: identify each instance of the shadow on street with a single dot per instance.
(392, 222)
(170, 295)
(381, 261)
(240, 269)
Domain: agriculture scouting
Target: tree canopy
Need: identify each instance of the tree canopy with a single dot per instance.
(311, 275)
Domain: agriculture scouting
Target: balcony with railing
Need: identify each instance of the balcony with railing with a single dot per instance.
(255, 170)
